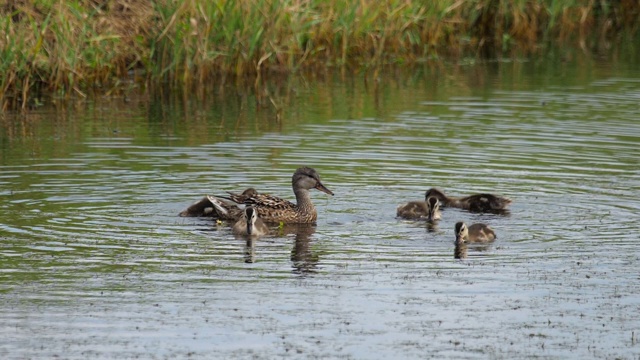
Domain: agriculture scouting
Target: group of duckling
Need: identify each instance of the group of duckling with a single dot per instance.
(250, 210)
(429, 210)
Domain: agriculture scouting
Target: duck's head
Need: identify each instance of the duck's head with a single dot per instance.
(435, 193)
(432, 208)
(252, 216)
(250, 192)
(461, 232)
(308, 178)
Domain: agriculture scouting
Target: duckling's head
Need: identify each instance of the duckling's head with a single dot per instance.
(252, 216)
(462, 232)
(250, 192)
(432, 208)
(435, 193)
(308, 178)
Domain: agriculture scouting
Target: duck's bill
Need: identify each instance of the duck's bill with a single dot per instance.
(324, 189)
(249, 228)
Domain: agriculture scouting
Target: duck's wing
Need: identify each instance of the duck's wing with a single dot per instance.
(225, 210)
(269, 201)
(202, 207)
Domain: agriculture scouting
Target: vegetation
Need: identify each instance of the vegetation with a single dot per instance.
(73, 47)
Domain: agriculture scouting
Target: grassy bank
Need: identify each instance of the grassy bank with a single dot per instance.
(77, 47)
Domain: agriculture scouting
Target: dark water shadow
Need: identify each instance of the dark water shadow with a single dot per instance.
(432, 226)
(303, 260)
(250, 251)
(461, 250)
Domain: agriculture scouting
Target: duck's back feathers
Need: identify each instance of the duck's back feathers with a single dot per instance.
(485, 202)
(412, 210)
(475, 233)
(269, 201)
(481, 233)
(241, 198)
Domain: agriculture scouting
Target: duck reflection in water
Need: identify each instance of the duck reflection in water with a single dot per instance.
(460, 251)
(432, 226)
(250, 251)
(303, 260)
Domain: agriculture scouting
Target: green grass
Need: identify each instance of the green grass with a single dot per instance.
(79, 46)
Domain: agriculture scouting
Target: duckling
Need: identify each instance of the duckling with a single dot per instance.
(428, 209)
(479, 233)
(473, 203)
(241, 198)
(250, 224)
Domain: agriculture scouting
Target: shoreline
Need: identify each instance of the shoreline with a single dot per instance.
(71, 49)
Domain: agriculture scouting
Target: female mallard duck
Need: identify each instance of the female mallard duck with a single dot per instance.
(272, 209)
(250, 224)
(473, 203)
(428, 209)
(479, 233)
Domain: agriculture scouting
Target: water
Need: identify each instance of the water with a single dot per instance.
(94, 262)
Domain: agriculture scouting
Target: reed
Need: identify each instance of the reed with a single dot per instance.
(80, 46)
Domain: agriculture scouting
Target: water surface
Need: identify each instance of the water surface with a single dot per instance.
(95, 262)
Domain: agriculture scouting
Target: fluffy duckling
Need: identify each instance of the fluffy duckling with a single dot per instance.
(428, 209)
(473, 203)
(241, 198)
(250, 224)
(478, 233)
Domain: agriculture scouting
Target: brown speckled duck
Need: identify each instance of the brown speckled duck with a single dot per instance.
(250, 224)
(473, 203)
(272, 209)
(428, 209)
(477, 233)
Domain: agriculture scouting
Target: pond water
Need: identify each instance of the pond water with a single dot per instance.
(95, 262)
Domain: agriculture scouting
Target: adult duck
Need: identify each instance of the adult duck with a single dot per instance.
(272, 209)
